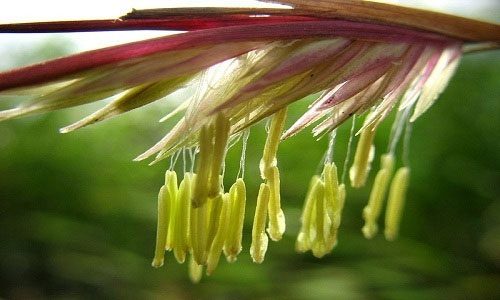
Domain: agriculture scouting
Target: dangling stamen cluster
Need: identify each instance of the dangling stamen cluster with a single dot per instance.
(322, 212)
(269, 198)
(198, 217)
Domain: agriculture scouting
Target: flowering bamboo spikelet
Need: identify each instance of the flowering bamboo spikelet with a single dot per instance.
(372, 210)
(395, 203)
(355, 57)
(180, 240)
(237, 200)
(259, 238)
(363, 158)
(172, 190)
(162, 227)
(218, 242)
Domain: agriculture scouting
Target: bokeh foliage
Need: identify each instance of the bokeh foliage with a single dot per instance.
(78, 218)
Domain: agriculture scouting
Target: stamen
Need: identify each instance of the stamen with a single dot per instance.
(331, 188)
(203, 166)
(221, 135)
(303, 242)
(195, 270)
(372, 210)
(259, 238)
(214, 219)
(238, 196)
(363, 157)
(220, 237)
(396, 202)
(277, 225)
(199, 232)
(162, 227)
(337, 218)
(319, 248)
(180, 242)
(333, 203)
(172, 190)
(273, 139)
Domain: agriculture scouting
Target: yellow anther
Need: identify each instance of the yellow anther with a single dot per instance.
(338, 212)
(220, 237)
(214, 219)
(195, 270)
(237, 195)
(221, 135)
(363, 157)
(198, 231)
(303, 242)
(277, 225)
(396, 202)
(172, 190)
(331, 188)
(162, 227)
(273, 139)
(337, 218)
(372, 210)
(204, 166)
(321, 223)
(259, 238)
(181, 242)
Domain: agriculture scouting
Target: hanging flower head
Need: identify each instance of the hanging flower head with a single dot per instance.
(355, 58)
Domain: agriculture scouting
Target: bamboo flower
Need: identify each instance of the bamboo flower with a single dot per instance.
(355, 58)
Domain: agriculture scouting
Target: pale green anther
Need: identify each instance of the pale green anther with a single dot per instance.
(222, 128)
(273, 139)
(162, 227)
(199, 232)
(204, 166)
(181, 242)
(237, 194)
(396, 203)
(338, 212)
(214, 219)
(276, 226)
(218, 242)
(333, 235)
(172, 190)
(331, 188)
(372, 210)
(259, 238)
(195, 270)
(303, 242)
(363, 157)
(319, 247)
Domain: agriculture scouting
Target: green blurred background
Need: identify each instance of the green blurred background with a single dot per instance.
(78, 217)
